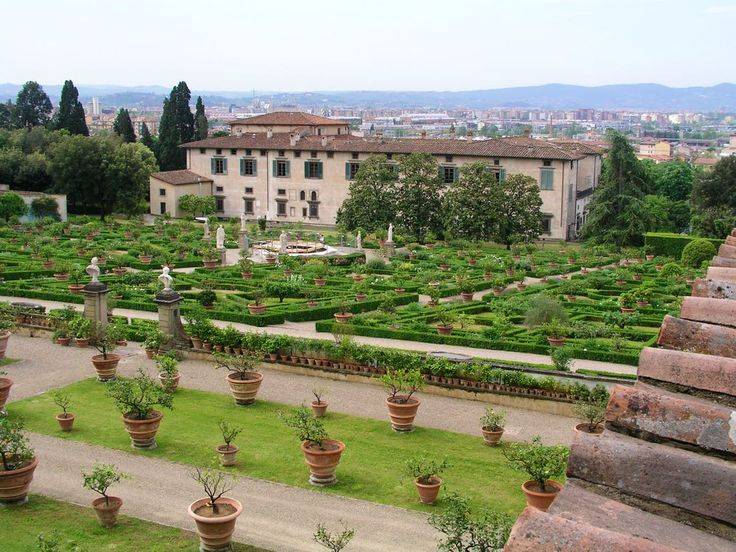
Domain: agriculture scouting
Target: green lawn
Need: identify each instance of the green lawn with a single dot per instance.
(370, 469)
(75, 525)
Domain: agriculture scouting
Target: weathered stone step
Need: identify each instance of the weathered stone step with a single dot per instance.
(731, 240)
(723, 261)
(716, 289)
(724, 274)
(705, 309)
(726, 250)
(697, 483)
(698, 337)
(673, 416)
(716, 374)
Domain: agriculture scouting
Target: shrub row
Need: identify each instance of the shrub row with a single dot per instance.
(671, 245)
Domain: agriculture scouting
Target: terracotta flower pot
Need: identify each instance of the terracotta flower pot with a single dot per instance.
(107, 510)
(649, 257)
(320, 282)
(585, 428)
(66, 421)
(257, 309)
(143, 432)
(227, 454)
(467, 297)
(627, 310)
(210, 264)
(246, 275)
(106, 367)
(75, 288)
(491, 438)
(168, 382)
(14, 484)
(150, 353)
(540, 499)
(521, 287)
(319, 408)
(61, 276)
(215, 531)
(244, 391)
(145, 259)
(323, 463)
(196, 342)
(402, 414)
(63, 341)
(4, 336)
(343, 317)
(5, 385)
(312, 304)
(428, 491)
(81, 342)
(444, 330)
(360, 296)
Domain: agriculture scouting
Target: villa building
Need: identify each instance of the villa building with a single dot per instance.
(297, 167)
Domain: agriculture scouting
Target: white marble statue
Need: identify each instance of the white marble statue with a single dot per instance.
(165, 278)
(390, 233)
(284, 239)
(93, 270)
(242, 222)
(206, 229)
(359, 241)
(220, 236)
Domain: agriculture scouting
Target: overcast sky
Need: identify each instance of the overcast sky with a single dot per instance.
(369, 44)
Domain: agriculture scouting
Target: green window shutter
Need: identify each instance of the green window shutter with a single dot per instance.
(254, 164)
(319, 169)
(275, 168)
(455, 174)
(546, 181)
(212, 165)
(224, 166)
(502, 175)
(288, 168)
(242, 167)
(347, 171)
(306, 169)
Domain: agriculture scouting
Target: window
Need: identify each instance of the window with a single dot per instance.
(162, 191)
(304, 211)
(314, 210)
(263, 153)
(281, 208)
(248, 167)
(498, 174)
(355, 155)
(202, 150)
(281, 168)
(496, 161)
(448, 174)
(313, 154)
(248, 153)
(219, 204)
(281, 191)
(282, 153)
(218, 188)
(312, 169)
(302, 195)
(389, 156)
(162, 208)
(448, 158)
(248, 190)
(330, 154)
(233, 152)
(547, 163)
(248, 207)
(218, 165)
(546, 179)
(313, 196)
(319, 132)
(218, 151)
(297, 153)
(351, 169)
(546, 224)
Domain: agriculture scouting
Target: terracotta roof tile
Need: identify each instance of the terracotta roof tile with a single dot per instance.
(298, 118)
(178, 178)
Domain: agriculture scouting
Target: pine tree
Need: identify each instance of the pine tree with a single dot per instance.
(77, 122)
(6, 115)
(70, 114)
(200, 121)
(175, 128)
(123, 126)
(146, 138)
(32, 106)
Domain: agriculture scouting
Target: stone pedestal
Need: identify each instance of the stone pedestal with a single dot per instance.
(95, 303)
(223, 256)
(390, 248)
(244, 243)
(169, 318)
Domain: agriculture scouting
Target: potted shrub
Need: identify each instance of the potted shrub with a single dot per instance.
(105, 341)
(18, 462)
(214, 516)
(627, 301)
(467, 290)
(82, 329)
(146, 252)
(425, 472)
(402, 405)
(99, 480)
(445, 319)
(7, 323)
(343, 313)
(210, 258)
(541, 463)
(333, 542)
(243, 377)
(75, 277)
(66, 418)
(555, 331)
(319, 406)
(321, 453)
(360, 288)
(257, 306)
(155, 338)
(207, 297)
(320, 272)
(246, 268)
(498, 286)
(228, 451)
(63, 268)
(642, 296)
(136, 398)
(491, 425)
(592, 409)
(5, 385)
(168, 372)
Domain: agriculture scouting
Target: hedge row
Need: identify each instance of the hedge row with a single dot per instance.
(671, 245)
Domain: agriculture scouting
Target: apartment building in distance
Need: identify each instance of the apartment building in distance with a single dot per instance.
(297, 167)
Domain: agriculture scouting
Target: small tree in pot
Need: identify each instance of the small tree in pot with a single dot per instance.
(66, 418)
(541, 463)
(82, 329)
(228, 451)
(136, 398)
(465, 531)
(334, 542)
(99, 480)
(246, 268)
(257, 306)
(243, 377)
(319, 405)
(491, 425)
(402, 405)
(168, 371)
(445, 320)
(321, 453)
(18, 461)
(215, 516)
(592, 409)
(105, 340)
(425, 471)
(155, 339)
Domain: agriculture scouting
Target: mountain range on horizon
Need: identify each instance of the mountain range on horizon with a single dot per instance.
(654, 97)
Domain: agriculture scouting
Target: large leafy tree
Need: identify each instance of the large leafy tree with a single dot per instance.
(519, 203)
(6, 115)
(673, 179)
(419, 195)
(371, 204)
(32, 106)
(617, 214)
(472, 204)
(70, 114)
(201, 126)
(197, 205)
(175, 128)
(123, 126)
(714, 199)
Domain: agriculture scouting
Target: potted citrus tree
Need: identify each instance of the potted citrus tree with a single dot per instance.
(81, 328)
(5, 385)
(246, 268)
(491, 425)
(445, 319)
(321, 453)
(425, 471)
(541, 463)
(402, 405)
(556, 332)
(168, 371)
(592, 409)
(216, 515)
(18, 461)
(243, 377)
(136, 398)
(99, 480)
(319, 405)
(257, 306)
(228, 450)
(65, 418)
(155, 338)
(334, 542)
(105, 340)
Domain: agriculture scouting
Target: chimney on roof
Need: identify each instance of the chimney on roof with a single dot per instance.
(423, 134)
(269, 133)
(527, 132)
(294, 138)
(469, 135)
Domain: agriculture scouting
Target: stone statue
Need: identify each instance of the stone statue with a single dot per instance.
(93, 270)
(284, 239)
(165, 278)
(242, 222)
(359, 241)
(206, 229)
(390, 233)
(220, 236)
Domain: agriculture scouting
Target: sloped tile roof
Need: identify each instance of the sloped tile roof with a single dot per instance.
(178, 178)
(293, 118)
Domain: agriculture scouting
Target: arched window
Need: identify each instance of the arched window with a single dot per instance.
(302, 195)
(313, 196)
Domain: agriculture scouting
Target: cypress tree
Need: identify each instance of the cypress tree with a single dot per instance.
(77, 123)
(123, 126)
(70, 115)
(168, 136)
(200, 121)
(146, 138)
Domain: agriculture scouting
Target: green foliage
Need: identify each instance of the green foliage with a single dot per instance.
(45, 206)
(562, 358)
(306, 427)
(696, 252)
(155, 338)
(101, 478)
(472, 203)
(15, 450)
(32, 106)
(493, 420)
(714, 199)
(228, 431)
(167, 364)
(544, 309)
(424, 469)
(175, 128)
(241, 366)
(418, 202)
(333, 542)
(538, 461)
(371, 202)
(402, 383)
(12, 205)
(48, 543)
(136, 397)
(201, 126)
(521, 217)
(197, 205)
(70, 113)
(592, 409)
(672, 245)
(61, 399)
(123, 126)
(284, 288)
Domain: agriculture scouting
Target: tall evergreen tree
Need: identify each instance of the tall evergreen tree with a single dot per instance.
(6, 115)
(148, 140)
(175, 128)
(70, 114)
(201, 126)
(617, 213)
(32, 106)
(123, 126)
